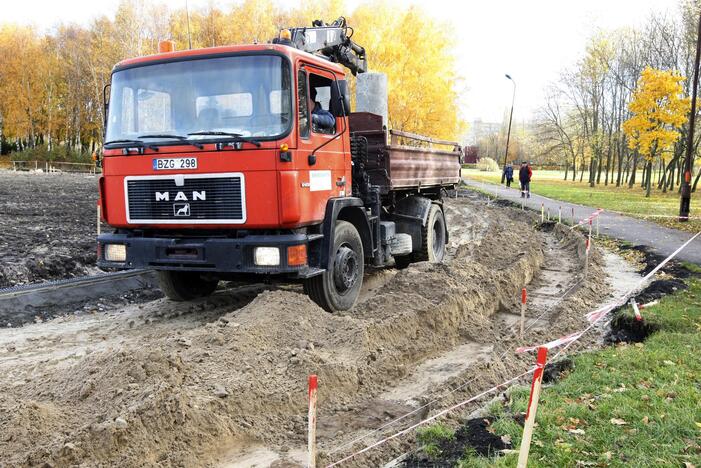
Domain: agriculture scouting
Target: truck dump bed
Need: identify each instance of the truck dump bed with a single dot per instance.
(395, 160)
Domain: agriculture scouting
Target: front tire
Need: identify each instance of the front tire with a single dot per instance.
(338, 287)
(183, 286)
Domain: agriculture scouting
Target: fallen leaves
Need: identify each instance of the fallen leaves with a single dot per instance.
(618, 422)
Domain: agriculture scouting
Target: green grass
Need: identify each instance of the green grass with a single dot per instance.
(623, 199)
(432, 437)
(651, 389)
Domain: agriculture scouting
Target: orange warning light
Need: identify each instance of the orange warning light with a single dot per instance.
(165, 46)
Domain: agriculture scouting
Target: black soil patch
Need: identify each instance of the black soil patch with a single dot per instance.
(554, 370)
(547, 226)
(651, 260)
(474, 435)
(626, 329)
(505, 203)
(659, 289)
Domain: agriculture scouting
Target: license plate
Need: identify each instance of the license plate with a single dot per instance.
(168, 164)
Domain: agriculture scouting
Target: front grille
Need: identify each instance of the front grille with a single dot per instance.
(198, 199)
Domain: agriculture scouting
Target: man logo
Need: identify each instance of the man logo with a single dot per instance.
(180, 196)
(181, 209)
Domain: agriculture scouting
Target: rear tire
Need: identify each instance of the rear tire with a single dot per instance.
(338, 287)
(185, 285)
(433, 241)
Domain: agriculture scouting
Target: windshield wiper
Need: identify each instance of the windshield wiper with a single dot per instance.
(177, 137)
(206, 132)
(236, 136)
(138, 143)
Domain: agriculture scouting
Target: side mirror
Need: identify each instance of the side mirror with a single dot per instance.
(340, 99)
(105, 106)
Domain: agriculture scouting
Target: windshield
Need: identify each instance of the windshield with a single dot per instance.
(244, 95)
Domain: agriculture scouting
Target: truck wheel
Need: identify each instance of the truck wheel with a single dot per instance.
(185, 285)
(432, 237)
(338, 287)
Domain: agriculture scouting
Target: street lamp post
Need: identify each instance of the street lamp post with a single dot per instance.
(508, 134)
(685, 203)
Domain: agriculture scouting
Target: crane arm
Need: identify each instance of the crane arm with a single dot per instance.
(330, 41)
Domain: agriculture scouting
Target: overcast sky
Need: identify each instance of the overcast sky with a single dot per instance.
(533, 41)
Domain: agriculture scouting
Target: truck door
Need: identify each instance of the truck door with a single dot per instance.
(323, 171)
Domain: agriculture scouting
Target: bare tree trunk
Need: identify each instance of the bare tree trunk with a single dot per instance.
(631, 180)
(649, 179)
(620, 168)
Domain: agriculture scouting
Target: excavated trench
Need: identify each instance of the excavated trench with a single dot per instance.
(222, 381)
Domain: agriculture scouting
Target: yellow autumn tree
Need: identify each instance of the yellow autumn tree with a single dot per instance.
(415, 52)
(659, 110)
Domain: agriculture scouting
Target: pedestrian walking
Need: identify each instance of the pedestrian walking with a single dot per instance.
(524, 177)
(509, 174)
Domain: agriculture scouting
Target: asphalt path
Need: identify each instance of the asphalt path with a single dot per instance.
(659, 239)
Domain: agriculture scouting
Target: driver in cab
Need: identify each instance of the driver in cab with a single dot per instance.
(321, 118)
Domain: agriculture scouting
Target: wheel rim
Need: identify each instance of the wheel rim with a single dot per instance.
(345, 269)
(438, 239)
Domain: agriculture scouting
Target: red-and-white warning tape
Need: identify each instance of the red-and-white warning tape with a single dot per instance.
(594, 317)
(432, 418)
(589, 219)
(622, 300)
(551, 344)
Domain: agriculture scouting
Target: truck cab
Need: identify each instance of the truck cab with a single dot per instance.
(213, 169)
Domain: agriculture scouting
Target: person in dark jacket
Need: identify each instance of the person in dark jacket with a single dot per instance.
(524, 176)
(321, 118)
(509, 174)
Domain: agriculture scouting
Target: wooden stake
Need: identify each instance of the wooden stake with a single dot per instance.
(597, 226)
(311, 418)
(542, 212)
(586, 258)
(573, 216)
(523, 311)
(559, 215)
(532, 408)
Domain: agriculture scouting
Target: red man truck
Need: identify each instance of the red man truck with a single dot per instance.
(214, 169)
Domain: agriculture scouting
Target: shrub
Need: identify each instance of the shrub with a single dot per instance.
(57, 153)
(487, 165)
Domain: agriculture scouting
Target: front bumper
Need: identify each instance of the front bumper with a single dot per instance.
(215, 255)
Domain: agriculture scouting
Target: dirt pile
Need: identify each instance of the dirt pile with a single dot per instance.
(181, 384)
(48, 226)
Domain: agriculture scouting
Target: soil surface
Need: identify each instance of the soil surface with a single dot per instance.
(48, 226)
(222, 381)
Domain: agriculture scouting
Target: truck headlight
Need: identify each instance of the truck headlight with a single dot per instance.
(116, 253)
(266, 256)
